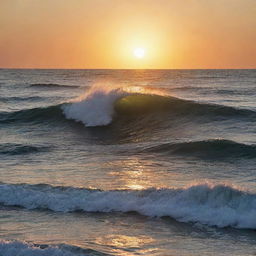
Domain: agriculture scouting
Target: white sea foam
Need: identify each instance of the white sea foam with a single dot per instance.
(215, 205)
(16, 248)
(96, 107)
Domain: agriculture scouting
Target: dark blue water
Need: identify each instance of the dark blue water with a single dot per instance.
(127, 162)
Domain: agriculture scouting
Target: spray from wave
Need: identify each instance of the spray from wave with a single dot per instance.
(214, 205)
(95, 108)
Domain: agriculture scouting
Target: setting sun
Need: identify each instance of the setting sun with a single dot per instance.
(139, 53)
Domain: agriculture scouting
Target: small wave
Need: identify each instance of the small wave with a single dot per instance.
(217, 148)
(217, 90)
(13, 248)
(33, 114)
(20, 149)
(189, 87)
(15, 98)
(50, 85)
(213, 205)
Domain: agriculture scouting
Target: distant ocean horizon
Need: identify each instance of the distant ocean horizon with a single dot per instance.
(6, 68)
(127, 161)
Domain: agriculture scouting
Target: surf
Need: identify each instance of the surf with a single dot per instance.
(217, 205)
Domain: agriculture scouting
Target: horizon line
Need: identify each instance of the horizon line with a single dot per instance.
(13, 68)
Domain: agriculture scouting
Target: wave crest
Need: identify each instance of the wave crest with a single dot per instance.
(96, 107)
(100, 104)
(214, 205)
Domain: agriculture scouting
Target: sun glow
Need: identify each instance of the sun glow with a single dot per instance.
(139, 53)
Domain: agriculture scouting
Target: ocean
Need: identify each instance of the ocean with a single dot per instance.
(127, 162)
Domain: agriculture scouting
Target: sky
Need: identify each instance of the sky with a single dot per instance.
(174, 34)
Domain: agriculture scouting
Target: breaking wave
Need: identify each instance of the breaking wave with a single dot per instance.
(101, 105)
(96, 108)
(213, 205)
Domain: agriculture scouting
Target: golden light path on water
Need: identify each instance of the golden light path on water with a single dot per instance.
(117, 242)
(136, 174)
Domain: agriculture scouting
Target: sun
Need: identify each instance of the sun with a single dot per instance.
(139, 53)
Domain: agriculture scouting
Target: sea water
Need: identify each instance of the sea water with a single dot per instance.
(127, 162)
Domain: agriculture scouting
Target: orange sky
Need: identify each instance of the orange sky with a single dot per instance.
(104, 33)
